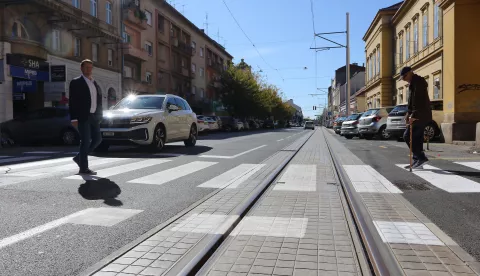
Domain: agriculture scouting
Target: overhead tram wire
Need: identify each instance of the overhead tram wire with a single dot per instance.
(253, 44)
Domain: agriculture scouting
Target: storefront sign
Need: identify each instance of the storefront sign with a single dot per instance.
(24, 86)
(58, 73)
(30, 74)
(27, 62)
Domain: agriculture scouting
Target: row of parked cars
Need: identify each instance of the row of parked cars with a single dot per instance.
(228, 123)
(385, 123)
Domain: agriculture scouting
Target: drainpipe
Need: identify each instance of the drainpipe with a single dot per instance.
(122, 4)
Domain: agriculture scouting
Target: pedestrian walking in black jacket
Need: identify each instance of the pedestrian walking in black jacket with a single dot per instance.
(419, 114)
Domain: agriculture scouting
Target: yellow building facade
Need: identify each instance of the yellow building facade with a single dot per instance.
(379, 85)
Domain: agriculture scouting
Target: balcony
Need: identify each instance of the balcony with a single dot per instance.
(136, 53)
(136, 17)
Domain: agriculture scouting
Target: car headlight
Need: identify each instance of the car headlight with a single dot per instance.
(140, 120)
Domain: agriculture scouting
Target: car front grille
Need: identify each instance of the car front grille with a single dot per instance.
(116, 123)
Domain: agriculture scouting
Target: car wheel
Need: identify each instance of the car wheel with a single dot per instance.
(368, 136)
(69, 137)
(158, 142)
(384, 135)
(429, 132)
(192, 138)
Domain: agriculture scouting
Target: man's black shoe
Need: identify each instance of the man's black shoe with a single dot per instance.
(413, 164)
(87, 171)
(420, 163)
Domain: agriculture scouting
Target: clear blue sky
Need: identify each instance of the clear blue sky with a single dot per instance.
(282, 31)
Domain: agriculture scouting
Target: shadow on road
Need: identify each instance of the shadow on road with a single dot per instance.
(100, 189)
(146, 152)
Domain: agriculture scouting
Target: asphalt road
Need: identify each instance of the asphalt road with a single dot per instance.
(37, 237)
(439, 195)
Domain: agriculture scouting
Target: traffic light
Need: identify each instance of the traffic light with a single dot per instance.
(314, 108)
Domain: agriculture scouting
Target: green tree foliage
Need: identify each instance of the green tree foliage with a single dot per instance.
(245, 94)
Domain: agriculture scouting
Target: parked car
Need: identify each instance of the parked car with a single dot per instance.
(268, 124)
(350, 126)
(49, 124)
(246, 125)
(150, 120)
(219, 122)
(396, 124)
(309, 125)
(202, 124)
(212, 123)
(337, 125)
(253, 124)
(374, 123)
(230, 123)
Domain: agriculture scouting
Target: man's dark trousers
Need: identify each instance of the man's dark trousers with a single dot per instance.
(90, 138)
(417, 140)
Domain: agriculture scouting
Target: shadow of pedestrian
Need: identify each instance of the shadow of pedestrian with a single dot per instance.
(101, 189)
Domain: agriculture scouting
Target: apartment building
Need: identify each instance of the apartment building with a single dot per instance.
(139, 30)
(42, 43)
(379, 43)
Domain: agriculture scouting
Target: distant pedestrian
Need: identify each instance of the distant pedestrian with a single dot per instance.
(419, 114)
(86, 113)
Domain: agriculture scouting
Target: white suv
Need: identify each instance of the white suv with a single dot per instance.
(149, 120)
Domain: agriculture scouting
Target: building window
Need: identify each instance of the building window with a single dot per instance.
(374, 64)
(77, 46)
(93, 8)
(400, 96)
(437, 91)
(76, 3)
(378, 61)
(18, 30)
(194, 45)
(56, 40)
(110, 57)
(400, 51)
(149, 48)
(148, 77)
(425, 28)
(127, 72)
(202, 93)
(161, 23)
(202, 72)
(201, 52)
(415, 36)
(184, 63)
(148, 15)
(94, 52)
(436, 21)
(194, 90)
(407, 43)
(194, 68)
(108, 8)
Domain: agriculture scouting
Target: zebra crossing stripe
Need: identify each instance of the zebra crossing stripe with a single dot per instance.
(233, 178)
(366, 179)
(119, 169)
(445, 180)
(298, 177)
(36, 163)
(473, 165)
(173, 173)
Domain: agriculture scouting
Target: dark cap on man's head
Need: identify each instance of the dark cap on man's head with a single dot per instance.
(405, 70)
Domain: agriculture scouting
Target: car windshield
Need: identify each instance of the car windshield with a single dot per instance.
(144, 102)
(353, 117)
(399, 109)
(370, 112)
(309, 123)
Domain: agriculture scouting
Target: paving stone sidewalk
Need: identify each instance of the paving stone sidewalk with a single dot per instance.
(299, 227)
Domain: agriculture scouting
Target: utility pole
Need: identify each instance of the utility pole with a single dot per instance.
(206, 22)
(347, 66)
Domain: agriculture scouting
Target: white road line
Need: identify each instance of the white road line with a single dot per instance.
(41, 152)
(280, 140)
(16, 159)
(234, 177)
(36, 163)
(119, 169)
(406, 233)
(51, 170)
(445, 180)
(173, 173)
(473, 165)
(234, 156)
(90, 216)
(298, 178)
(169, 154)
(366, 179)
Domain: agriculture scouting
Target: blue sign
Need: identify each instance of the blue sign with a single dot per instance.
(30, 74)
(24, 86)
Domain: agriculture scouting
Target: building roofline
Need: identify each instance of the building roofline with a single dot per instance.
(195, 28)
(402, 10)
(391, 10)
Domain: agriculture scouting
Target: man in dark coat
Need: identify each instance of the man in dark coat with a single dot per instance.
(419, 114)
(86, 114)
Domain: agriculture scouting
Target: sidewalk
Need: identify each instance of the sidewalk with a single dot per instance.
(299, 227)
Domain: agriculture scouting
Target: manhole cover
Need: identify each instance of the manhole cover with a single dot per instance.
(410, 186)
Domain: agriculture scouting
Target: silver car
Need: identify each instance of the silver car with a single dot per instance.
(396, 124)
(374, 122)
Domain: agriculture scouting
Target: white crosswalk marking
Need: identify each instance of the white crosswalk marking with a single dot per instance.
(445, 180)
(366, 179)
(473, 165)
(120, 169)
(298, 178)
(63, 168)
(234, 177)
(173, 173)
(37, 163)
(17, 159)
